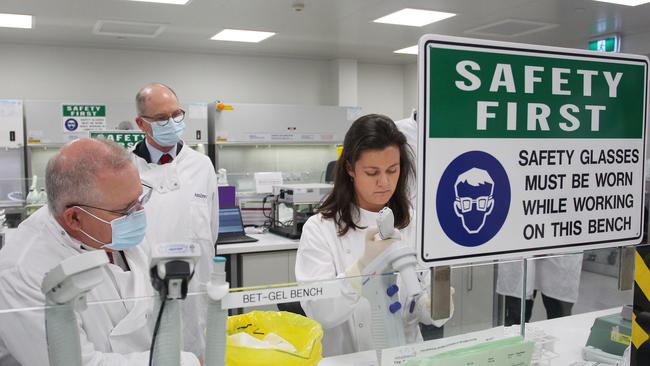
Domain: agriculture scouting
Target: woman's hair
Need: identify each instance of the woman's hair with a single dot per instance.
(367, 133)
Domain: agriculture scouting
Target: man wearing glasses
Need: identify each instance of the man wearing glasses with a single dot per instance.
(184, 204)
(95, 202)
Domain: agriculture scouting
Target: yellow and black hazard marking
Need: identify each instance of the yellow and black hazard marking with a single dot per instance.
(641, 317)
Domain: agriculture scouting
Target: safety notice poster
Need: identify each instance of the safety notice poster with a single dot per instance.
(527, 149)
(83, 117)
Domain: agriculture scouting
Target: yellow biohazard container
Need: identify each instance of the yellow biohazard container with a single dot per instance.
(304, 334)
(339, 151)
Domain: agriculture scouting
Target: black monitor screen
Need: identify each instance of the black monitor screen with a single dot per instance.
(230, 221)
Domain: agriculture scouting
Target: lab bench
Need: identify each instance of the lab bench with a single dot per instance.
(571, 333)
(270, 260)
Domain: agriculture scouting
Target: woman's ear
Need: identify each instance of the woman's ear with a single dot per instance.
(350, 170)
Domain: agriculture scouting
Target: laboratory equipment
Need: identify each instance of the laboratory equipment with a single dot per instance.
(33, 200)
(387, 328)
(227, 196)
(400, 256)
(172, 268)
(596, 355)
(610, 334)
(65, 288)
(13, 188)
(293, 204)
(217, 288)
(222, 177)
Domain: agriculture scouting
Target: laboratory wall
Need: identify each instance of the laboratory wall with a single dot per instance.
(381, 89)
(47, 72)
(410, 87)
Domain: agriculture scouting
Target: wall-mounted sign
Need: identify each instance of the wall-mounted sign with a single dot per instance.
(83, 117)
(527, 149)
(611, 43)
(128, 139)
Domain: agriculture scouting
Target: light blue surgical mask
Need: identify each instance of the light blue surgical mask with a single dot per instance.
(127, 231)
(169, 134)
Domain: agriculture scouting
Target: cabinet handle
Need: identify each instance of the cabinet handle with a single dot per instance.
(470, 279)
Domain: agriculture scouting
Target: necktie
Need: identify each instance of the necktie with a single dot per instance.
(165, 158)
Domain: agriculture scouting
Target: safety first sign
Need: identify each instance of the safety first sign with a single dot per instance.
(83, 117)
(128, 139)
(527, 149)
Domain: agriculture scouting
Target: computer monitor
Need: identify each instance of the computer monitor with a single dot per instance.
(230, 221)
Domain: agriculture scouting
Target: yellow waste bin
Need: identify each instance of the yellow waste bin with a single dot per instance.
(304, 334)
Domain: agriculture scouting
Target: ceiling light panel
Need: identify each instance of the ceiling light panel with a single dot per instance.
(414, 17)
(173, 2)
(626, 2)
(413, 50)
(15, 21)
(240, 35)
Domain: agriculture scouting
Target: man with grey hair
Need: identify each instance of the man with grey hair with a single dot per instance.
(95, 202)
(184, 205)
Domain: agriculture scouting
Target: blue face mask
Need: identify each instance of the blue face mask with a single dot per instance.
(169, 134)
(127, 231)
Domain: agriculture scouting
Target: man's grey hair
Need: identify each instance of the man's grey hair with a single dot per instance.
(141, 97)
(73, 179)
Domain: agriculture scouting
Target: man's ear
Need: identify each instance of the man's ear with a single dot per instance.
(140, 123)
(70, 218)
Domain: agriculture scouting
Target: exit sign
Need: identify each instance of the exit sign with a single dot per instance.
(605, 44)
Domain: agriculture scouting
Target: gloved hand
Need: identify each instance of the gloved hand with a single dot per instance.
(421, 310)
(372, 249)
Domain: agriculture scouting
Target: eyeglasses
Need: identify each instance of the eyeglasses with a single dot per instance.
(177, 117)
(133, 208)
(480, 202)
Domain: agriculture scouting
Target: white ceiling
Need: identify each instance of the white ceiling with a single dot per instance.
(325, 29)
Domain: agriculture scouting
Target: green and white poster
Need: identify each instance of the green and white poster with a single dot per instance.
(128, 139)
(527, 149)
(83, 117)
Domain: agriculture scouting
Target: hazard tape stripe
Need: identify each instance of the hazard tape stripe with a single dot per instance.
(639, 336)
(642, 283)
(642, 275)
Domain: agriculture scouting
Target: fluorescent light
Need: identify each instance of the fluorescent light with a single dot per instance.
(413, 50)
(414, 17)
(15, 20)
(174, 2)
(626, 2)
(238, 35)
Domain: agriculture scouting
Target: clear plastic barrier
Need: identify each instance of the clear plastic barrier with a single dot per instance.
(359, 320)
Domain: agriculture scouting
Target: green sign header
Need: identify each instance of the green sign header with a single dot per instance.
(84, 110)
(127, 139)
(498, 94)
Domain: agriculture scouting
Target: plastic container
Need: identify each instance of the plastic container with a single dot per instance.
(304, 334)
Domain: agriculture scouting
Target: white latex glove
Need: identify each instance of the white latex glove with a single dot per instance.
(372, 249)
(422, 310)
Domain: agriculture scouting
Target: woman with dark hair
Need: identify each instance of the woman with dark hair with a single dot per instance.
(373, 172)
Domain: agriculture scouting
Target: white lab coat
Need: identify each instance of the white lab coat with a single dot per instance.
(409, 127)
(323, 255)
(556, 277)
(184, 207)
(117, 333)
